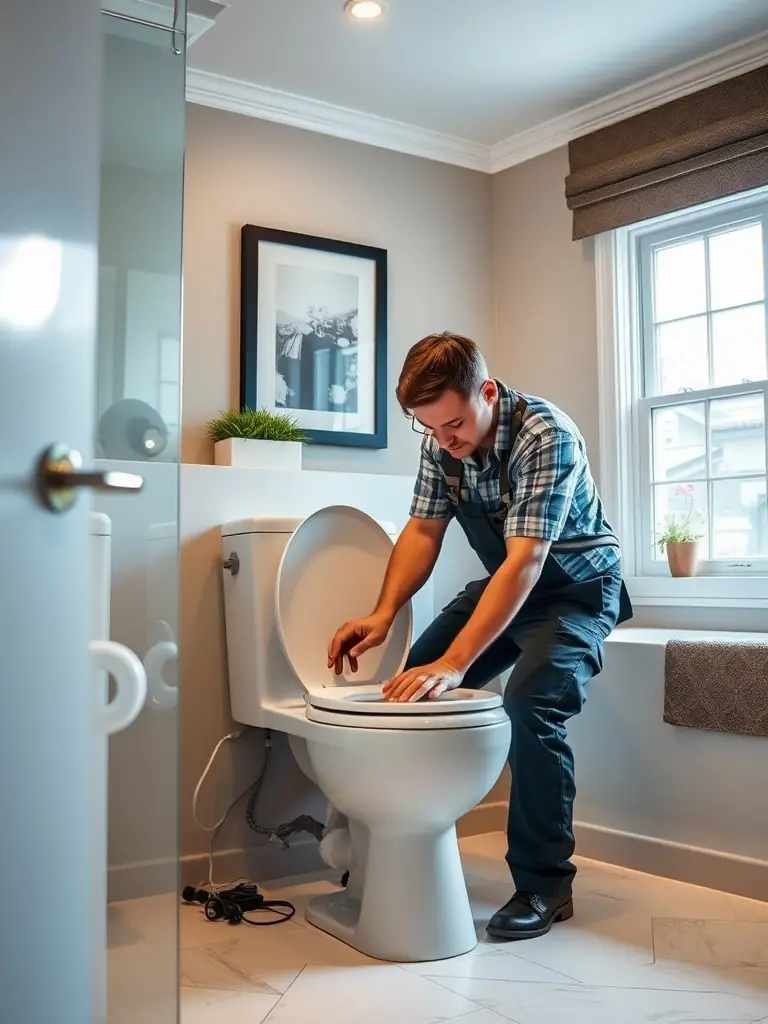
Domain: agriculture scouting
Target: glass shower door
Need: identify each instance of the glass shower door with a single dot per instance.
(137, 428)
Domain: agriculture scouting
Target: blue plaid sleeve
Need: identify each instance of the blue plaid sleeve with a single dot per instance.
(431, 499)
(542, 483)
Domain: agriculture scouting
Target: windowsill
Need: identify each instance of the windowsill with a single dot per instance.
(650, 636)
(699, 592)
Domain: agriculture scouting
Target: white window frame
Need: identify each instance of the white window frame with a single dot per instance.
(625, 412)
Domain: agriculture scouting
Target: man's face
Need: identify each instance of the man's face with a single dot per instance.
(460, 425)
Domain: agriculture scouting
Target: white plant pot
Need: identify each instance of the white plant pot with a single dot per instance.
(244, 453)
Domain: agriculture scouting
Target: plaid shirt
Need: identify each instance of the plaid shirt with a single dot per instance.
(553, 495)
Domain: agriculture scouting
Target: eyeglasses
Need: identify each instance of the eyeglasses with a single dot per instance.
(419, 428)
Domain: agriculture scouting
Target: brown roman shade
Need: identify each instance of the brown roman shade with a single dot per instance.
(701, 147)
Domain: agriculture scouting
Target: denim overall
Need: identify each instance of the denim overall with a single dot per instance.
(555, 644)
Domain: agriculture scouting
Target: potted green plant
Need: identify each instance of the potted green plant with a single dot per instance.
(679, 540)
(256, 439)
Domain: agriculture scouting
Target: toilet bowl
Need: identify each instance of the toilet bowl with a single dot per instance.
(402, 774)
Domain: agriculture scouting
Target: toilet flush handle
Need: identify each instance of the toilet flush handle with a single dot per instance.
(232, 563)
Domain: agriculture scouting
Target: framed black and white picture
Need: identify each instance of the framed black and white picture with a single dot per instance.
(313, 334)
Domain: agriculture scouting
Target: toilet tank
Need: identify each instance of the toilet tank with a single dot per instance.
(259, 674)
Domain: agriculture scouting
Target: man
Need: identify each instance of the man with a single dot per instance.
(513, 470)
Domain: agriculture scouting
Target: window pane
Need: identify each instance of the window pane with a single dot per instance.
(679, 281)
(680, 503)
(740, 519)
(738, 345)
(736, 267)
(737, 435)
(682, 363)
(679, 442)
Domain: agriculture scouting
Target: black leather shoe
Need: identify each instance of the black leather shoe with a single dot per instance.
(527, 915)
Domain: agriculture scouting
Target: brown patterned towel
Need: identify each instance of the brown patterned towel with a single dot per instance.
(718, 685)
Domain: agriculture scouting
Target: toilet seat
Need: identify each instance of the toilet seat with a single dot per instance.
(423, 720)
(367, 700)
(331, 571)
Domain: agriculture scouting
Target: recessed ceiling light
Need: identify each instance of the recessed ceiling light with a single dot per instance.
(365, 10)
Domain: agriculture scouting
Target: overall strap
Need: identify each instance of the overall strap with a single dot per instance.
(514, 432)
(575, 544)
(452, 469)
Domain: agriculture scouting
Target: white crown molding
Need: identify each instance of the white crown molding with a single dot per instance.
(653, 92)
(210, 90)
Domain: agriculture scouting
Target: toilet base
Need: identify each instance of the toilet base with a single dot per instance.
(414, 906)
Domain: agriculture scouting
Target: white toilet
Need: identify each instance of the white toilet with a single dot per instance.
(401, 773)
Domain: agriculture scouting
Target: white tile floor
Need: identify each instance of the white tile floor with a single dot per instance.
(639, 950)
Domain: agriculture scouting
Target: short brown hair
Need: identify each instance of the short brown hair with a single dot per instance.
(439, 363)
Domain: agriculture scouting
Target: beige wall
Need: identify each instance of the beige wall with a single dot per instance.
(434, 220)
(544, 292)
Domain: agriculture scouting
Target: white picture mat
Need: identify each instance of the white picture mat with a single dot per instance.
(272, 254)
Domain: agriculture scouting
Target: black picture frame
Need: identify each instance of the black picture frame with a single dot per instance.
(262, 325)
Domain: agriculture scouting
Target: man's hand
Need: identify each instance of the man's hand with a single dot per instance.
(355, 638)
(427, 681)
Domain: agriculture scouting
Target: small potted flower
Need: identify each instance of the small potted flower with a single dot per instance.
(680, 540)
(256, 439)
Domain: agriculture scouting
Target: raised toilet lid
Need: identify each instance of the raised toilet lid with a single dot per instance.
(331, 571)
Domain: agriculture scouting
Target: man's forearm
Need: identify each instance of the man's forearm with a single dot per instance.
(501, 601)
(410, 566)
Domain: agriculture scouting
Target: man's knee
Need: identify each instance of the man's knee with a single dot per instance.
(547, 691)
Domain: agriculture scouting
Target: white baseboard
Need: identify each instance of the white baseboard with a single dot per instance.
(142, 878)
(715, 869)
(259, 863)
(490, 817)
(262, 863)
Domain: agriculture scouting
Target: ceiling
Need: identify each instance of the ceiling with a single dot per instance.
(477, 70)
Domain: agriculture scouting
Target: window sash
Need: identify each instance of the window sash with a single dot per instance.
(647, 563)
(687, 228)
(638, 319)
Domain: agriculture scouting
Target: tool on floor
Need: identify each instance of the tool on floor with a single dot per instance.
(232, 905)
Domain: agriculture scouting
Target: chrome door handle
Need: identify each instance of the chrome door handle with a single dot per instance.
(60, 475)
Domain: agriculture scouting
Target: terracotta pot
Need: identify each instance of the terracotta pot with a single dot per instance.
(683, 558)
